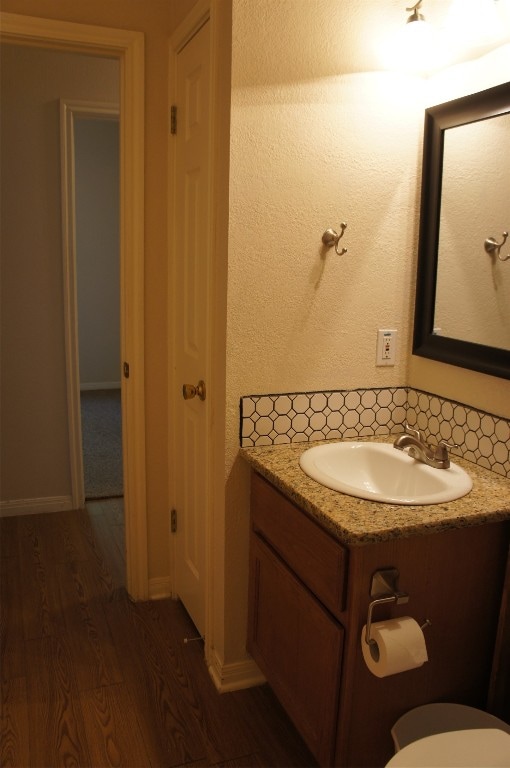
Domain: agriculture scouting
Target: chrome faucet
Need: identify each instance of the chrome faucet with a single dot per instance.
(433, 455)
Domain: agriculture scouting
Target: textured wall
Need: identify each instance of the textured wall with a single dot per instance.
(319, 135)
(309, 149)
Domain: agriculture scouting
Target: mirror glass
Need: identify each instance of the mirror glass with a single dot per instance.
(475, 195)
(462, 313)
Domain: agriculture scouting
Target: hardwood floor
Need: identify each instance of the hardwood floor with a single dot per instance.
(89, 678)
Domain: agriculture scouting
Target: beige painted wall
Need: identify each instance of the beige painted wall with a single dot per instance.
(35, 446)
(317, 136)
(97, 251)
(312, 147)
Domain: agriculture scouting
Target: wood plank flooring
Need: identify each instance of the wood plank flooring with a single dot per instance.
(89, 678)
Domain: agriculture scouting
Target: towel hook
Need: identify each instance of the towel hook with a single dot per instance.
(331, 237)
(491, 246)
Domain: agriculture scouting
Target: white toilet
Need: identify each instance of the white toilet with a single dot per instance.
(450, 736)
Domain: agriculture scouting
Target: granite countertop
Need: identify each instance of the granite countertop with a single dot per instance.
(356, 521)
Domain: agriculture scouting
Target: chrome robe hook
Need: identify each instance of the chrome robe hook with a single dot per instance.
(331, 237)
(493, 247)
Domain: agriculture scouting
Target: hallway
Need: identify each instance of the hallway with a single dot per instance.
(91, 679)
(101, 428)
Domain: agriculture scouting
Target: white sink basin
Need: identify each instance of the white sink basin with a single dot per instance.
(380, 472)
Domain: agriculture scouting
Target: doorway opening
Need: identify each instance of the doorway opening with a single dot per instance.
(90, 194)
(127, 48)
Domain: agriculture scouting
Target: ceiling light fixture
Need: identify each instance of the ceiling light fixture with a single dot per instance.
(417, 43)
(415, 15)
(462, 31)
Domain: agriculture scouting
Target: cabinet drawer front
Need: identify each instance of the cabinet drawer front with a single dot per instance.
(314, 556)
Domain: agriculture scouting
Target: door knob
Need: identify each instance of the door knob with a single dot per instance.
(189, 391)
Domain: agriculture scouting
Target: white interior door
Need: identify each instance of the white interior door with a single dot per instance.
(192, 343)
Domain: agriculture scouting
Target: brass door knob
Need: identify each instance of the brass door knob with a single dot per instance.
(189, 391)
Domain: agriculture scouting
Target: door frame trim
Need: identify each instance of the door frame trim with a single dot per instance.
(128, 47)
(70, 109)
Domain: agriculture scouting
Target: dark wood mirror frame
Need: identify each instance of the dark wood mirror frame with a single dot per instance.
(478, 357)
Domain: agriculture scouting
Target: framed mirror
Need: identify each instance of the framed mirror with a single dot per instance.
(462, 309)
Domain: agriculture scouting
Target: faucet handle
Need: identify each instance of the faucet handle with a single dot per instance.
(448, 445)
(443, 445)
(414, 432)
(441, 452)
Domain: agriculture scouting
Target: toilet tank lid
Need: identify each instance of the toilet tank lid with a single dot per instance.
(456, 749)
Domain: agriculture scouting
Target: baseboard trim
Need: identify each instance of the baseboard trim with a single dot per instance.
(19, 507)
(99, 385)
(234, 677)
(159, 588)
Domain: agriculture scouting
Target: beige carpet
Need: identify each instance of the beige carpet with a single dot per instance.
(101, 424)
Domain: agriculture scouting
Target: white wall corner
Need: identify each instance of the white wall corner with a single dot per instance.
(235, 676)
(160, 588)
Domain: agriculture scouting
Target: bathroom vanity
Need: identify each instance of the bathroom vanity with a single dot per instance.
(313, 552)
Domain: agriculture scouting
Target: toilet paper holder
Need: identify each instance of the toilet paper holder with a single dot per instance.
(384, 589)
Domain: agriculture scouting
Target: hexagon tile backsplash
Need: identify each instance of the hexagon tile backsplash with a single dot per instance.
(305, 416)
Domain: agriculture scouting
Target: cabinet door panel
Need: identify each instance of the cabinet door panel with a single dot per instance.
(314, 556)
(298, 646)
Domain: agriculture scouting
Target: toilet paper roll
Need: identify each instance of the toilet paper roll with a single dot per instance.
(400, 646)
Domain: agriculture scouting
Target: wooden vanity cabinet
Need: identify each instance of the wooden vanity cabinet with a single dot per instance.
(296, 569)
(308, 603)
